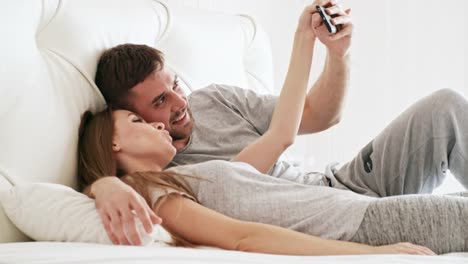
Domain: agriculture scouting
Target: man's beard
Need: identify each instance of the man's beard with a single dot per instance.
(187, 130)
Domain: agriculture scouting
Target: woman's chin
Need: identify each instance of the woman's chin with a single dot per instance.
(171, 154)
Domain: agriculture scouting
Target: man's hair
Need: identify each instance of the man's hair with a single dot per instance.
(124, 66)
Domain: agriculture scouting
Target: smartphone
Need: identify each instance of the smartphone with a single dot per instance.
(327, 20)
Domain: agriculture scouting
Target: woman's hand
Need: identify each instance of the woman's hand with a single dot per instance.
(118, 204)
(306, 25)
(404, 248)
(310, 23)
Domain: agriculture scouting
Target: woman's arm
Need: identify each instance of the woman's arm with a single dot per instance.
(284, 125)
(206, 227)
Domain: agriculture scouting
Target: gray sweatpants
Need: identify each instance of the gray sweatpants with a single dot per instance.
(413, 153)
(412, 156)
(439, 222)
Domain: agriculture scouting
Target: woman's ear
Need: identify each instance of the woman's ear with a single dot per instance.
(116, 147)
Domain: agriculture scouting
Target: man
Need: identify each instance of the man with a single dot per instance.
(216, 122)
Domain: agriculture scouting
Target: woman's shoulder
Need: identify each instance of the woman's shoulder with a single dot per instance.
(214, 167)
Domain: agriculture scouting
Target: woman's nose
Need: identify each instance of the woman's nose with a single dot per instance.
(158, 125)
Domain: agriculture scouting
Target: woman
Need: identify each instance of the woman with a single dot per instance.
(141, 152)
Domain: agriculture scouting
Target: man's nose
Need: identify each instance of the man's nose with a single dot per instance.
(179, 102)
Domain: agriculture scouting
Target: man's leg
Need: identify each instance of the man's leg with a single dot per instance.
(413, 154)
(438, 222)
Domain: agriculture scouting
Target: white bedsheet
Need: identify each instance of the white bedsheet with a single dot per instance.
(78, 253)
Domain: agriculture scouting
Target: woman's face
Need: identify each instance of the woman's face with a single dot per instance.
(138, 140)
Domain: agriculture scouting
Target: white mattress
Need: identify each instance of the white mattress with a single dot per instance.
(77, 253)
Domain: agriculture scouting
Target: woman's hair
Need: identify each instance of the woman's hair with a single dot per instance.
(96, 160)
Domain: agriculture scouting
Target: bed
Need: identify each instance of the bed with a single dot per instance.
(49, 53)
(77, 253)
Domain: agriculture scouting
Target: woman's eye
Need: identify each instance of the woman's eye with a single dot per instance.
(176, 84)
(137, 120)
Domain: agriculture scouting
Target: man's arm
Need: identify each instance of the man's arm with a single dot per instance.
(88, 193)
(324, 103)
(289, 108)
(325, 100)
(118, 204)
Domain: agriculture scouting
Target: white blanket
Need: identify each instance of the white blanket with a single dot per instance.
(78, 253)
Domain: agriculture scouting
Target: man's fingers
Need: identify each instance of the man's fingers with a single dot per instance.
(107, 226)
(128, 222)
(156, 220)
(335, 10)
(142, 214)
(341, 20)
(117, 228)
(344, 32)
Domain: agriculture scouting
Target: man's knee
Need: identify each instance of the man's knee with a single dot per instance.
(448, 96)
(446, 101)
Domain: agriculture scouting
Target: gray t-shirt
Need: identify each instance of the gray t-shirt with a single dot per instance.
(228, 118)
(238, 190)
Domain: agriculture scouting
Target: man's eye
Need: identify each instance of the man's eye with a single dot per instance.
(160, 101)
(176, 84)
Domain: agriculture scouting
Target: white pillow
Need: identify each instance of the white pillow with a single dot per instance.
(54, 212)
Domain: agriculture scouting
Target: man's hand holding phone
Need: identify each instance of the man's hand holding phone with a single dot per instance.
(326, 19)
(332, 26)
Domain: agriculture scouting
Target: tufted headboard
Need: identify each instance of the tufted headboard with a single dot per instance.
(49, 51)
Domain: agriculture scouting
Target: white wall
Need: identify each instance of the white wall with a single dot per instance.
(401, 51)
(277, 17)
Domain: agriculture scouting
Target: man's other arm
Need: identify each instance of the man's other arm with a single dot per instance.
(324, 103)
